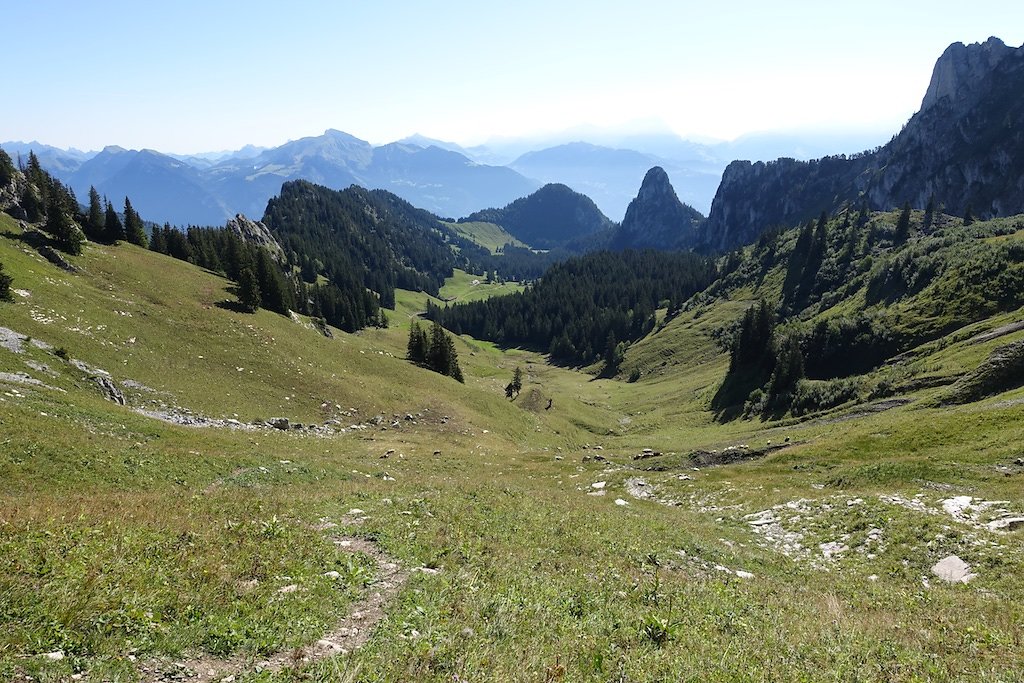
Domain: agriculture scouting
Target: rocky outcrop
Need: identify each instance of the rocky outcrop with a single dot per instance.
(965, 149)
(109, 390)
(656, 219)
(961, 69)
(1001, 371)
(256, 233)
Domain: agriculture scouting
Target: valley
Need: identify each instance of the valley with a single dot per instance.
(781, 442)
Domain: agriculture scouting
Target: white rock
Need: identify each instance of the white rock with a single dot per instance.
(290, 588)
(744, 575)
(953, 570)
(620, 502)
(599, 485)
(332, 575)
(356, 511)
(1006, 524)
(54, 656)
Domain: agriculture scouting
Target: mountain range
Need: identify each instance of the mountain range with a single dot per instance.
(440, 176)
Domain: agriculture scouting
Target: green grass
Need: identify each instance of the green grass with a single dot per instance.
(124, 538)
(488, 235)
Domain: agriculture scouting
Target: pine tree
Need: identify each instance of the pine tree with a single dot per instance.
(929, 214)
(114, 229)
(61, 206)
(5, 285)
(418, 346)
(159, 243)
(95, 222)
(248, 290)
(517, 379)
(903, 225)
(789, 369)
(6, 168)
(134, 229)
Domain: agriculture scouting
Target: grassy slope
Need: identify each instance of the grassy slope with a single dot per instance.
(488, 235)
(121, 535)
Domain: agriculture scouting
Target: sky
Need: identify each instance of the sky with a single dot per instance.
(207, 75)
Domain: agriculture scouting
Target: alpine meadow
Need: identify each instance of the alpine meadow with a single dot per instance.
(333, 411)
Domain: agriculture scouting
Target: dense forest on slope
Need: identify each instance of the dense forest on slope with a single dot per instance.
(371, 236)
(586, 308)
(844, 294)
(553, 216)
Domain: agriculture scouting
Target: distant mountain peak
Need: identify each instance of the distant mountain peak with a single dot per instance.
(114, 149)
(959, 70)
(657, 218)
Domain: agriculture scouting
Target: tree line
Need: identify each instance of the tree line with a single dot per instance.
(587, 308)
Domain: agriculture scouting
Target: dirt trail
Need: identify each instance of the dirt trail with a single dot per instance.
(349, 634)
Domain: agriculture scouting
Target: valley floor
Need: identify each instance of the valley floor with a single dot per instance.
(476, 538)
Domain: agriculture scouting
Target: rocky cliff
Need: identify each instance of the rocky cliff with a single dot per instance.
(256, 233)
(656, 219)
(964, 148)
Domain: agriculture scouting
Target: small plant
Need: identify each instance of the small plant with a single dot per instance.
(62, 353)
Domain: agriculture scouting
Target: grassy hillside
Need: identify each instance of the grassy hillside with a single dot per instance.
(490, 236)
(542, 549)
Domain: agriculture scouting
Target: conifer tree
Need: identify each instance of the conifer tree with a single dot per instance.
(114, 229)
(968, 215)
(159, 243)
(5, 285)
(903, 225)
(6, 168)
(134, 230)
(95, 221)
(418, 346)
(929, 214)
(248, 289)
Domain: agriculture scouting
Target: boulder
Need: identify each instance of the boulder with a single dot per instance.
(953, 570)
(282, 423)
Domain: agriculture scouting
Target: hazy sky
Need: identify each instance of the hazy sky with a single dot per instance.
(203, 75)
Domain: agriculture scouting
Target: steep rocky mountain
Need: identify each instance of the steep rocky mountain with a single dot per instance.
(608, 175)
(656, 218)
(551, 217)
(964, 148)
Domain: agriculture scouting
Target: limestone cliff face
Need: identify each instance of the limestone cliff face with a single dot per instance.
(656, 219)
(255, 232)
(965, 148)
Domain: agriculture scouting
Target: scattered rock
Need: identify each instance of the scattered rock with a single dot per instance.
(282, 423)
(620, 502)
(953, 570)
(743, 574)
(109, 389)
(54, 656)
(11, 340)
(598, 485)
(333, 575)
(290, 588)
(1007, 524)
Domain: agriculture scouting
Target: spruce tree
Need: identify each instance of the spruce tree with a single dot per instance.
(248, 289)
(929, 214)
(134, 229)
(95, 222)
(903, 225)
(968, 215)
(6, 168)
(5, 285)
(517, 380)
(159, 244)
(114, 229)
